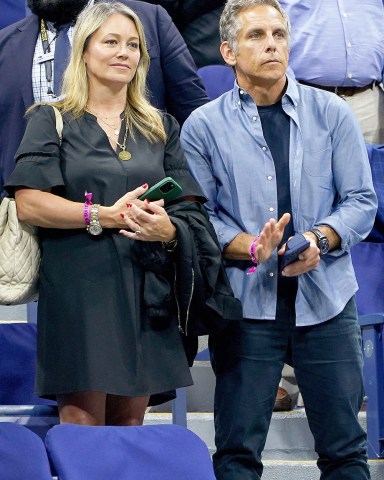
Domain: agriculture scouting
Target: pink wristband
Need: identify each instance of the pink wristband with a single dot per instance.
(252, 253)
(87, 204)
(87, 214)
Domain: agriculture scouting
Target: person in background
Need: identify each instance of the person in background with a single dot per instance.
(272, 146)
(332, 48)
(198, 23)
(106, 341)
(27, 67)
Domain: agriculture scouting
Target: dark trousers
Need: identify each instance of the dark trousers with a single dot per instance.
(248, 358)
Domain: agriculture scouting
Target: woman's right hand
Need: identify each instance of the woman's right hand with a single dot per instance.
(114, 216)
(44, 209)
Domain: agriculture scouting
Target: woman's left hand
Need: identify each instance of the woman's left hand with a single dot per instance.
(149, 224)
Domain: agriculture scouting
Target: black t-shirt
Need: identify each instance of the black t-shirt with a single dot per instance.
(276, 129)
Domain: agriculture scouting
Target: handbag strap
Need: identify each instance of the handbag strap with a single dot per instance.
(59, 123)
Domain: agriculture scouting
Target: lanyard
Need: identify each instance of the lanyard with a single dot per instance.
(47, 63)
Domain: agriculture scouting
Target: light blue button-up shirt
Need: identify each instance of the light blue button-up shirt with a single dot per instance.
(331, 184)
(336, 42)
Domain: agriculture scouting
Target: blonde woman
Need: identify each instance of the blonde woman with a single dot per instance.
(98, 353)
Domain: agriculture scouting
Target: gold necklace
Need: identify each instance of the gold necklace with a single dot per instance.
(123, 155)
(100, 115)
(115, 128)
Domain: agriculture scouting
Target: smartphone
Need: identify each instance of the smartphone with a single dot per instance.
(168, 189)
(295, 245)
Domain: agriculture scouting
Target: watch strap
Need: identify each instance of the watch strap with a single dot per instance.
(317, 234)
(94, 226)
(322, 240)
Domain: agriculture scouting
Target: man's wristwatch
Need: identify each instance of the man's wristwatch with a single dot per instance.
(322, 241)
(94, 227)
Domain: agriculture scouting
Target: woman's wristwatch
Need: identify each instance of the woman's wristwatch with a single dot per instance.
(94, 227)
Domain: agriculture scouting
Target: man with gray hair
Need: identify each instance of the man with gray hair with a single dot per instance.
(266, 148)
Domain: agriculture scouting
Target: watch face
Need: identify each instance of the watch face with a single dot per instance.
(95, 229)
(322, 241)
(323, 245)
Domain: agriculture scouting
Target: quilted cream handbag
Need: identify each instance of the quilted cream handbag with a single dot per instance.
(19, 251)
(19, 257)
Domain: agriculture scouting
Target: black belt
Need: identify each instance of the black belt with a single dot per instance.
(342, 91)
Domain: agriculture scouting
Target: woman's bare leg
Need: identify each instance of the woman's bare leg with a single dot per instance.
(125, 410)
(82, 408)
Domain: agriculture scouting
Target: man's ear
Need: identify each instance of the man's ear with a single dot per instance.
(228, 54)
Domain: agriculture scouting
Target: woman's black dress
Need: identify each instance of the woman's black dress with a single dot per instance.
(93, 333)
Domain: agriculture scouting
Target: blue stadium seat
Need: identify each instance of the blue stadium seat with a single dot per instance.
(22, 454)
(368, 262)
(217, 79)
(157, 452)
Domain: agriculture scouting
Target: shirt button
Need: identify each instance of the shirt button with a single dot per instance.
(239, 103)
(350, 75)
(271, 209)
(349, 44)
(345, 14)
(254, 119)
(241, 92)
(269, 177)
(264, 148)
(271, 274)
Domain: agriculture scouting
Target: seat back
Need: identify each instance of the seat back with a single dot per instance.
(368, 262)
(18, 365)
(376, 160)
(22, 454)
(156, 452)
(217, 79)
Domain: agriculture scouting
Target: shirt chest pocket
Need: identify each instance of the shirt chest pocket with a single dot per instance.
(317, 160)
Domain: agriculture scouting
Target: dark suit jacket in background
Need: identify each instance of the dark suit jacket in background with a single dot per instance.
(173, 83)
(198, 23)
(11, 11)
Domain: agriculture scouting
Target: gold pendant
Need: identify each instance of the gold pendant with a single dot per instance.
(124, 155)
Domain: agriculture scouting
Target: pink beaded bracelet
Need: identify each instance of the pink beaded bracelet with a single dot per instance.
(252, 253)
(87, 204)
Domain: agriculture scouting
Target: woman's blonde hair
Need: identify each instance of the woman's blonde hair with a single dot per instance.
(140, 114)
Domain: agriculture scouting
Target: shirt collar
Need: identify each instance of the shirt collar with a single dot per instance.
(290, 96)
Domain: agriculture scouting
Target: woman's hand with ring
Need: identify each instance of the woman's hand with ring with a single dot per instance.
(114, 216)
(151, 224)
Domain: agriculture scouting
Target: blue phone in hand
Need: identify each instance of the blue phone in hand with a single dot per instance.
(294, 246)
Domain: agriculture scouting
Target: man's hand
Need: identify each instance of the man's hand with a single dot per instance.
(308, 259)
(270, 237)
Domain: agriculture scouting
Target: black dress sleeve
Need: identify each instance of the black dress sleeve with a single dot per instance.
(38, 156)
(175, 163)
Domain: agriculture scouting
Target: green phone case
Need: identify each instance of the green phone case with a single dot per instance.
(168, 189)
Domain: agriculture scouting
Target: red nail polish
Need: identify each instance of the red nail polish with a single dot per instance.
(129, 205)
(122, 215)
(147, 200)
(145, 185)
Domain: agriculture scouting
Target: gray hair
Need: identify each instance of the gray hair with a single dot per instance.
(229, 21)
